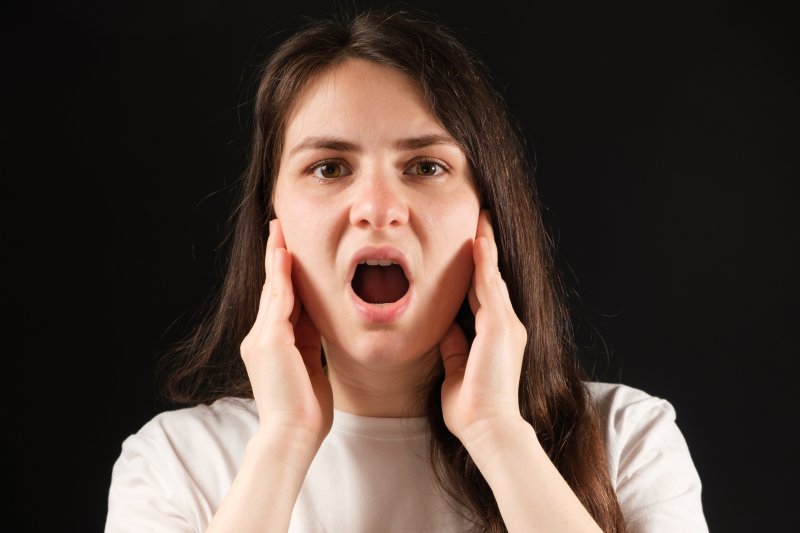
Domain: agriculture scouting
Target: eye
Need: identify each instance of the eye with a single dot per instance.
(328, 170)
(427, 167)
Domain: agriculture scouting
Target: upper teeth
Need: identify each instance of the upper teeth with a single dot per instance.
(378, 262)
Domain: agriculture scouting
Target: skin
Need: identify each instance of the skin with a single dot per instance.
(418, 199)
(376, 368)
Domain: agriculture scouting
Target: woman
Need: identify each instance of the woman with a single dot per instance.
(400, 357)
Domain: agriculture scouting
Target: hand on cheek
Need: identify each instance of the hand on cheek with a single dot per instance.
(282, 356)
(480, 389)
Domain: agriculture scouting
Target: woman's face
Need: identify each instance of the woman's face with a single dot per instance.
(367, 173)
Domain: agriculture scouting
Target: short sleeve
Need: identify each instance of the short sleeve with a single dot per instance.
(144, 492)
(175, 471)
(657, 484)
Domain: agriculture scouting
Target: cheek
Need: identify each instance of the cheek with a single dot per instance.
(309, 228)
(453, 234)
(310, 274)
(307, 243)
(299, 232)
(299, 219)
(457, 221)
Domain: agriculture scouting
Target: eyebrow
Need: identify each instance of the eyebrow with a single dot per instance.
(342, 145)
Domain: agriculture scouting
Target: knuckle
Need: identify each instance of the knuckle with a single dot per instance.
(279, 290)
(265, 295)
(521, 332)
(245, 347)
(492, 275)
(496, 279)
(253, 344)
(272, 338)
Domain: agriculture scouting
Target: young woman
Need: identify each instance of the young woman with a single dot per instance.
(399, 358)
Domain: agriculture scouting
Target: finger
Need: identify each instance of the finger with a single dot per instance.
(490, 288)
(485, 229)
(484, 254)
(281, 293)
(496, 318)
(454, 350)
(486, 273)
(275, 240)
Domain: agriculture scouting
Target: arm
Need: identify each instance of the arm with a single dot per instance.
(658, 486)
(295, 405)
(481, 408)
(264, 491)
(530, 491)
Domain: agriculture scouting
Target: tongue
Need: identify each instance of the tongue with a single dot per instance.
(379, 285)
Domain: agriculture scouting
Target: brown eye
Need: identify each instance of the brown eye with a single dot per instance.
(329, 170)
(430, 168)
(426, 168)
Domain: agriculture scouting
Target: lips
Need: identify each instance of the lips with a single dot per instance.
(380, 283)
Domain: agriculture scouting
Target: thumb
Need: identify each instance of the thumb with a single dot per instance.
(454, 350)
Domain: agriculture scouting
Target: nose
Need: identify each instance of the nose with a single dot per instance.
(379, 202)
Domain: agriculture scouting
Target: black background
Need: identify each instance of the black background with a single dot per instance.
(665, 134)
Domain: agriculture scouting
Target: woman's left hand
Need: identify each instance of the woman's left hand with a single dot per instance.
(480, 390)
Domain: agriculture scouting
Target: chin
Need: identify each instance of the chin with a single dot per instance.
(382, 350)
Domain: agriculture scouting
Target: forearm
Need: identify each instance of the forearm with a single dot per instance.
(530, 491)
(263, 494)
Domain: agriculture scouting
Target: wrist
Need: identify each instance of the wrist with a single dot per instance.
(487, 444)
(294, 449)
(264, 492)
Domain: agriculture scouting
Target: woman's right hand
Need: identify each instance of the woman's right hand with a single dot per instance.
(282, 354)
(294, 400)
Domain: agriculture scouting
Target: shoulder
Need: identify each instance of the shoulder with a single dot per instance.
(227, 421)
(183, 435)
(177, 467)
(622, 405)
(632, 418)
(182, 438)
(648, 459)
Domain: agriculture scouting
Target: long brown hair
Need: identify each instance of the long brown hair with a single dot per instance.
(552, 395)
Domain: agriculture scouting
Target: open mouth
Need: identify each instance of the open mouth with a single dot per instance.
(379, 281)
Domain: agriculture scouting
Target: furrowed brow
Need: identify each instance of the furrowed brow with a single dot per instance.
(341, 145)
(324, 143)
(415, 143)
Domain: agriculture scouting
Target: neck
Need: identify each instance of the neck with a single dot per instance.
(386, 391)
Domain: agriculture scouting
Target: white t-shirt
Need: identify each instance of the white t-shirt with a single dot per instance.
(372, 474)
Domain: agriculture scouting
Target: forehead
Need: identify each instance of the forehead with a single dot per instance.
(363, 99)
